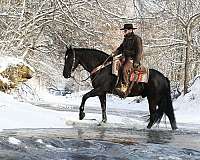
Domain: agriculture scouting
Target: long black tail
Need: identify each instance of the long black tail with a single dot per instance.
(165, 106)
(169, 111)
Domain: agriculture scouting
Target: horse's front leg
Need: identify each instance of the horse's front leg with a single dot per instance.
(92, 93)
(103, 108)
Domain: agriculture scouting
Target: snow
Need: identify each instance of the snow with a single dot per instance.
(40, 141)
(112, 101)
(9, 61)
(13, 140)
(5, 80)
(6, 61)
(187, 107)
(14, 114)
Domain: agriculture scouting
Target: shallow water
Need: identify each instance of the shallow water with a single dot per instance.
(99, 143)
(108, 142)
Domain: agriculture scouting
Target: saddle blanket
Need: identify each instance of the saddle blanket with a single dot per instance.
(140, 75)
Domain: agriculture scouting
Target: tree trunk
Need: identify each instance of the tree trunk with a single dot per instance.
(187, 61)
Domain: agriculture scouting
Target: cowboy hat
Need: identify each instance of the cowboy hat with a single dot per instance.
(128, 26)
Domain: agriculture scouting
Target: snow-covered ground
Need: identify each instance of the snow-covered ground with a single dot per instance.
(187, 107)
(14, 114)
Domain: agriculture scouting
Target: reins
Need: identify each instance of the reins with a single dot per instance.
(98, 68)
(95, 70)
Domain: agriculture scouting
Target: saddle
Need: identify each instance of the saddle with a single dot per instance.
(139, 74)
(131, 76)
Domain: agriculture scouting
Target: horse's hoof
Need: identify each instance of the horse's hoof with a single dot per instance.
(103, 122)
(173, 125)
(99, 124)
(174, 128)
(81, 115)
(149, 126)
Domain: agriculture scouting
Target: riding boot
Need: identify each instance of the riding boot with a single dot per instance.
(124, 87)
(122, 90)
(130, 88)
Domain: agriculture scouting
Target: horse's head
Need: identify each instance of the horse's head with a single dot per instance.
(71, 62)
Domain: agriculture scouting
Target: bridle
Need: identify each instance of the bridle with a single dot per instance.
(105, 63)
(74, 59)
(73, 65)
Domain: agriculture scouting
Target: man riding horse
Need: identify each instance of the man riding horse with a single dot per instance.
(129, 53)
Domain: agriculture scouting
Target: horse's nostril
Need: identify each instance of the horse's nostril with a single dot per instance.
(66, 76)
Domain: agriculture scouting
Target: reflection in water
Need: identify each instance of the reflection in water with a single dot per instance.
(159, 137)
(80, 133)
(120, 136)
(98, 133)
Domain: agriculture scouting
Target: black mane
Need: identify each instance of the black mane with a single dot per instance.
(94, 53)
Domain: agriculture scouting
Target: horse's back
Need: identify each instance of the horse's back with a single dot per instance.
(158, 82)
(157, 76)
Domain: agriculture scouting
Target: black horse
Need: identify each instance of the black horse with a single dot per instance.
(157, 90)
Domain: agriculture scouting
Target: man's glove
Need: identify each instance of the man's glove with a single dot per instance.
(114, 53)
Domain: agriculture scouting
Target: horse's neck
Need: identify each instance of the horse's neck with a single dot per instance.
(88, 62)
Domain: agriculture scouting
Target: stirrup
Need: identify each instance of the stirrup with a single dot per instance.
(124, 87)
(122, 90)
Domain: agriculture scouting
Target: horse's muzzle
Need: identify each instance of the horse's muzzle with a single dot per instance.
(66, 76)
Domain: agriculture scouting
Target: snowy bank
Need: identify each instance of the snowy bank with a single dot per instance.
(7, 61)
(13, 71)
(14, 114)
(187, 107)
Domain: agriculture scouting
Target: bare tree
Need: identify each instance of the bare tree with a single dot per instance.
(38, 31)
(172, 37)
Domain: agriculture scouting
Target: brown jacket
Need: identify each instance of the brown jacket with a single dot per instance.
(131, 47)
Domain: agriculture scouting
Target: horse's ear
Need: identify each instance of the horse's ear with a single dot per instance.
(67, 47)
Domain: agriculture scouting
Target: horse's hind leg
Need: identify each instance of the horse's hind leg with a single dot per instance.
(170, 115)
(103, 107)
(166, 107)
(169, 111)
(152, 109)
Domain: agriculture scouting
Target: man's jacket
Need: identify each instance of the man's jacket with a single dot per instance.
(131, 47)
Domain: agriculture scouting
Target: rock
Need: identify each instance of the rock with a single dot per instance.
(12, 74)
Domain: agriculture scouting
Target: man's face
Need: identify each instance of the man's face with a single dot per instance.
(126, 31)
